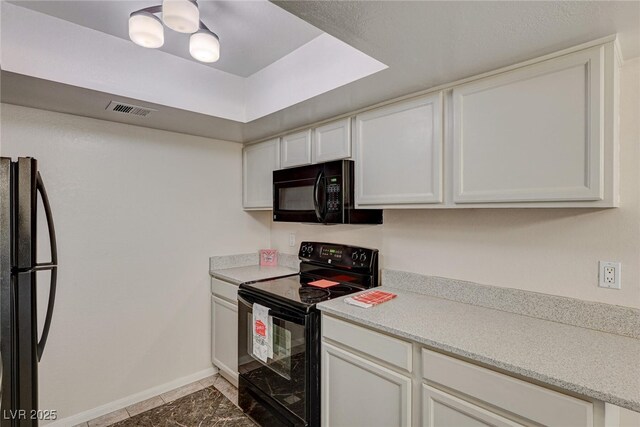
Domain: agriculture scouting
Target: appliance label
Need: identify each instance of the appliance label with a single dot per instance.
(261, 328)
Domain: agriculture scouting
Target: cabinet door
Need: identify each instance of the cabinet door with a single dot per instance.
(529, 401)
(295, 149)
(224, 340)
(258, 163)
(357, 392)
(398, 154)
(441, 409)
(531, 135)
(332, 141)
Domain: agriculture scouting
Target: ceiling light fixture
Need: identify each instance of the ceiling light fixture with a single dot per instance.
(146, 30)
(204, 46)
(182, 16)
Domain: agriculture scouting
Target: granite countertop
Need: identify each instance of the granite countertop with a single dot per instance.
(596, 364)
(238, 275)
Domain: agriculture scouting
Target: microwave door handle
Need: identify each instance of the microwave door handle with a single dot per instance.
(316, 193)
(323, 205)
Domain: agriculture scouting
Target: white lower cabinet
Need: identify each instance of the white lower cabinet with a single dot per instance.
(440, 409)
(359, 392)
(505, 393)
(374, 379)
(224, 329)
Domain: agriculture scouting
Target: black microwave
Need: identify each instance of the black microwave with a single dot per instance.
(321, 193)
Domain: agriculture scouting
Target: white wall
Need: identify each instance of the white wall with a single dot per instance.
(138, 212)
(555, 251)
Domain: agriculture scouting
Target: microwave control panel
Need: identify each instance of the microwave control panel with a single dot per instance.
(334, 194)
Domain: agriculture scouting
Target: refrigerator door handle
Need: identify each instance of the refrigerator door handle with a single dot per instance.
(47, 320)
(53, 265)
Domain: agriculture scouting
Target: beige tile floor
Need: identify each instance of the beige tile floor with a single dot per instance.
(224, 386)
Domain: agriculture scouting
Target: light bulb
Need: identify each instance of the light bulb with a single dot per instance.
(146, 30)
(181, 15)
(204, 46)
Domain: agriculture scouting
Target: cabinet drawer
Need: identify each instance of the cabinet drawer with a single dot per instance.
(388, 349)
(530, 401)
(225, 290)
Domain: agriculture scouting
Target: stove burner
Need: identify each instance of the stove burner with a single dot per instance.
(342, 289)
(312, 295)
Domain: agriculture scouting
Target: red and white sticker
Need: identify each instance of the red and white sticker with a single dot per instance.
(261, 328)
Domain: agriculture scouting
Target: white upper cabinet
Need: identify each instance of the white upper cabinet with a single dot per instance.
(398, 154)
(258, 163)
(295, 149)
(540, 134)
(332, 141)
(536, 134)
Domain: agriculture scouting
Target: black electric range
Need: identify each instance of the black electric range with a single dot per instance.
(284, 390)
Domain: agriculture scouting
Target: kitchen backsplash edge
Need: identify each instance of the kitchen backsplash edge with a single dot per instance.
(246, 260)
(609, 318)
(290, 261)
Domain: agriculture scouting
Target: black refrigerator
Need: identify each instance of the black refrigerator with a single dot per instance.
(20, 347)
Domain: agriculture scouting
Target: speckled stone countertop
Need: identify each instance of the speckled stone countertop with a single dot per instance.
(596, 364)
(242, 268)
(251, 273)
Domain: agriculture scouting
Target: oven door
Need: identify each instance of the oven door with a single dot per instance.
(282, 378)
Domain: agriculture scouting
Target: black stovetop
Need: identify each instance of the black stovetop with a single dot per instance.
(295, 290)
(353, 268)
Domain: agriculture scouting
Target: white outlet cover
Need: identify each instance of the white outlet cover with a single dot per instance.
(610, 275)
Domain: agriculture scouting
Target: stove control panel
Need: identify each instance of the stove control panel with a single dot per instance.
(331, 254)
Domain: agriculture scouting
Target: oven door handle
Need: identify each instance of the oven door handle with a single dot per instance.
(274, 310)
(316, 197)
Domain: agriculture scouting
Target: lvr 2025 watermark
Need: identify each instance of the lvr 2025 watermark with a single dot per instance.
(36, 414)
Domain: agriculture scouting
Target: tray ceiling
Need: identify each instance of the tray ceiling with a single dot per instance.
(423, 43)
(64, 51)
(253, 34)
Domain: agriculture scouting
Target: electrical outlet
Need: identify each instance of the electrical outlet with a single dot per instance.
(292, 239)
(610, 275)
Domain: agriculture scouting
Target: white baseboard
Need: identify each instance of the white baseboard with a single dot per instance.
(131, 399)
